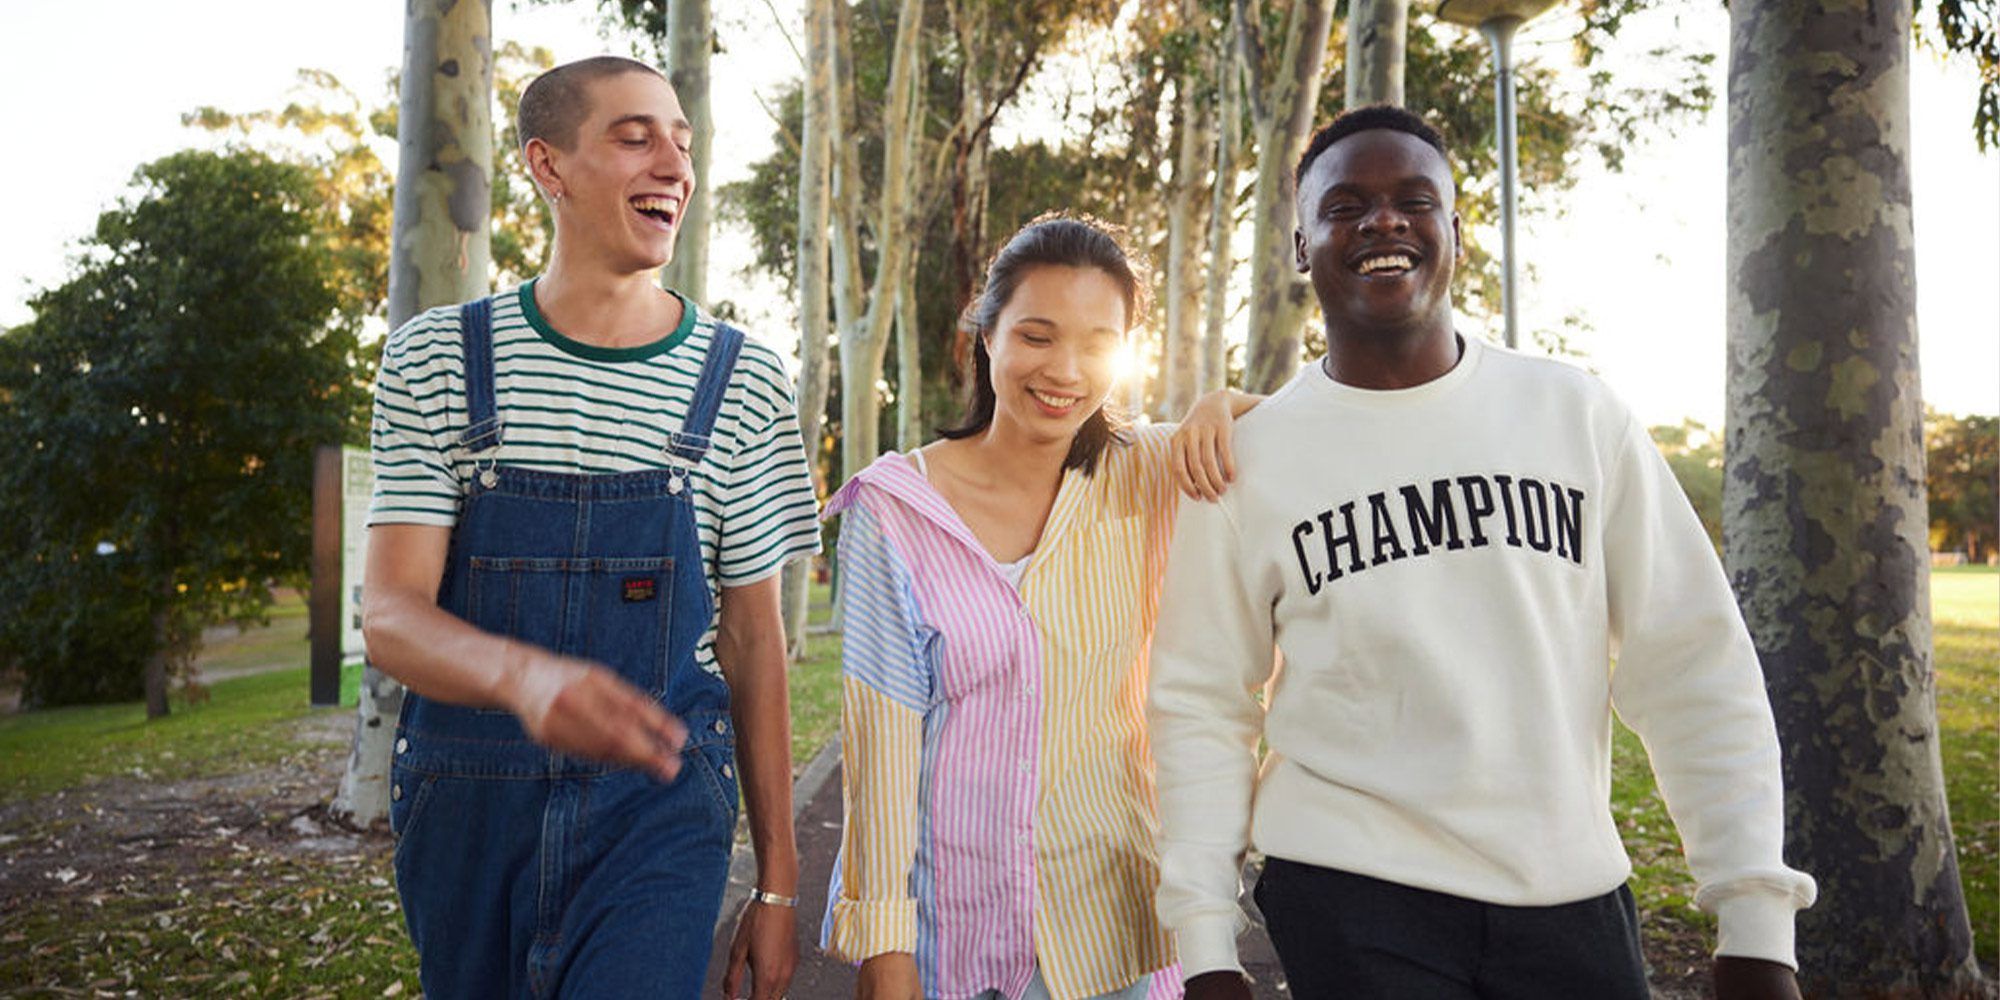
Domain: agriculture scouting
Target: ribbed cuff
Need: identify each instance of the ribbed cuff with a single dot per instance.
(862, 929)
(1756, 924)
(1207, 946)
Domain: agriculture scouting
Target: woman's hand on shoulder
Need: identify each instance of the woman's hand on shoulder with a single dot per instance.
(1203, 463)
(891, 975)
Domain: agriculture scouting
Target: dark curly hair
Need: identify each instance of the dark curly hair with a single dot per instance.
(1059, 239)
(1362, 119)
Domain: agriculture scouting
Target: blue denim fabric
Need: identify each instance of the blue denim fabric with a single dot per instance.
(527, 873)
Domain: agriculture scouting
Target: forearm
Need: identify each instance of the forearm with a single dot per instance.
(753, 661)
(1212, 651)
(440, 655)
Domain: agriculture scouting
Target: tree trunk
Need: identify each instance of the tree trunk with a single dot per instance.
(909, 362)
(815, 192)
(1279, 297)
(690, 40)
(1823, 502)
(1221, 225)
(439, 249)
(1187, 225)
(156, 669)
(1376, 34)
(848, 186)
(862, 347)
(438, 255)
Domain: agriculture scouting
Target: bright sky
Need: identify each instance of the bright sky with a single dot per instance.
(1639, 254)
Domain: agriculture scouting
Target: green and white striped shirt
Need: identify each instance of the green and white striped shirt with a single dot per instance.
(573, 408)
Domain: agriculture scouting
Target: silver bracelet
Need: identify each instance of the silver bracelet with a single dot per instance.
(772, 898)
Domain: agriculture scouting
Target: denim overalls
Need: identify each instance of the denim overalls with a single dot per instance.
(524, 872)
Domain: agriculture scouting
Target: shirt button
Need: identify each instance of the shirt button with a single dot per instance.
(396, 792)
(402, 745)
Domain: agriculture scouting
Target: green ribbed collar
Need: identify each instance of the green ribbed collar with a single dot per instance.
(595, 353)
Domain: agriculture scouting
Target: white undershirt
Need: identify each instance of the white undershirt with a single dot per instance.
(1010, 571)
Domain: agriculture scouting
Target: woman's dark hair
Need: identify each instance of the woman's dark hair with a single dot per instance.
(1056, 239)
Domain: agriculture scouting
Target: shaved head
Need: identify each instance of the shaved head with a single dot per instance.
(558, 101)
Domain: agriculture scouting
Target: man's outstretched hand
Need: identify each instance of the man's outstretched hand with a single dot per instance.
(1753, 979)
(1223, 984)
(583, 709)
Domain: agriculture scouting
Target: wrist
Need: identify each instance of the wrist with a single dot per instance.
(527, 682)
(768, 898)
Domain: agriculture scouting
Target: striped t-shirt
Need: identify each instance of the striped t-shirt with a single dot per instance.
(998, 783)
(571, 407)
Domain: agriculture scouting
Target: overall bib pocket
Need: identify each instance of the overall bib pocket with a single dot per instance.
(614, 611)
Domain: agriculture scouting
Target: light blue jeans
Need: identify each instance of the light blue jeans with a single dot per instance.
(1039, 990)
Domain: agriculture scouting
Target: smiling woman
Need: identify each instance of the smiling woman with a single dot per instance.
(1000, 592)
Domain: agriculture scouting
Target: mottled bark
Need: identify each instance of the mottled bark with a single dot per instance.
(862, 346)
(690, 40)
(1823, 502)
(438, 255)
(1187, 223)
(1376, 35)
(444, 190)
(1221, 227)
(815, 325)
(1279, 297)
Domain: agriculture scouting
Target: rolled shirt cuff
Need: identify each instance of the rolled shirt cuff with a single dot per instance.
(862, 929)
(1757, 924)
(1207, 945)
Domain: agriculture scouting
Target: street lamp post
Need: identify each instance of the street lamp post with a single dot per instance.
(1498, 20)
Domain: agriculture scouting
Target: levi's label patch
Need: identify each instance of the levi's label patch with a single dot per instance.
(640, 588)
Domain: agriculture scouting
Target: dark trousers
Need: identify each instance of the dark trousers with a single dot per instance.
(1344, 935)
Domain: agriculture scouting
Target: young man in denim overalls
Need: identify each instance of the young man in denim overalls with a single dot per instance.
(571, 475)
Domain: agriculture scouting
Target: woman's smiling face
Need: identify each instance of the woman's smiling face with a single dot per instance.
(1055, 349)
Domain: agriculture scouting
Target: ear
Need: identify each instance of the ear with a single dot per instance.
(1299, 250)
(1457, 239)
(541, 158)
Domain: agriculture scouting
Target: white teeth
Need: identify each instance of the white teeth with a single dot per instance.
(654, 203)
(1053, 402)
(1385, 262)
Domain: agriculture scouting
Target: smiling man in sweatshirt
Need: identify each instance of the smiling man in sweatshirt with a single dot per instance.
(1468, 558)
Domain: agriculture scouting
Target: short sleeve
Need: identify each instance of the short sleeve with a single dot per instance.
(410, 440)
(769, 514)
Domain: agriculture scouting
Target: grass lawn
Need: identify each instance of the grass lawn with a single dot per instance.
(243, 721)
(218, 897)
(1965, 607)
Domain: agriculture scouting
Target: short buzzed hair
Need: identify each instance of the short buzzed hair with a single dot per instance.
(555, 103)
(1362, 119)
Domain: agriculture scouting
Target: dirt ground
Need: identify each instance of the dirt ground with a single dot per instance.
(240, 883)
(230, 885)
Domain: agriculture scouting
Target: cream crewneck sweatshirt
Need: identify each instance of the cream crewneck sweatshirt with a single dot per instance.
(1449, 572)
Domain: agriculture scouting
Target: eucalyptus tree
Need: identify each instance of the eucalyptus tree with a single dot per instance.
(1824, 524)
(439, 254)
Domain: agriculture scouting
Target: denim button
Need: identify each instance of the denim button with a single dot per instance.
(727, 772)
(396, 792)
(402, 745)
(720, 727)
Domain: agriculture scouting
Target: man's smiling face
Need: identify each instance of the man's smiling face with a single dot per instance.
(1377, 232)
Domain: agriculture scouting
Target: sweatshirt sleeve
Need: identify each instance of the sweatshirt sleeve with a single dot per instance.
(1688, 682)
(1212, 653)
(885, 688)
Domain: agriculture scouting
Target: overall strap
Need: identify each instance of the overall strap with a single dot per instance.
(483, 430)
(691, 443)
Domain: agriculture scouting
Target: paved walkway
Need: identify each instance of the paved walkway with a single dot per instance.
(817, 806)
